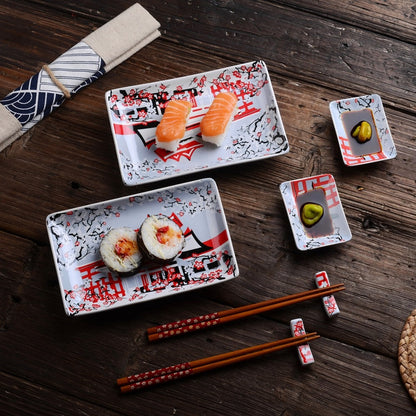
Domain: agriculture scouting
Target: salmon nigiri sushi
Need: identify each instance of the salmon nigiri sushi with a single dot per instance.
(172, 127)
(220, 114)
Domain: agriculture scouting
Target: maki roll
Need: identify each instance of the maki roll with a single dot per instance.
(120, 252)
(160, 238)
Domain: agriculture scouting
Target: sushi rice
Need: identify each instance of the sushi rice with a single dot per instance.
(120, 252)
(160, 238)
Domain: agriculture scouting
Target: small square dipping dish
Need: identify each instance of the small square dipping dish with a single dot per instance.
(332, 228)
(379, 147)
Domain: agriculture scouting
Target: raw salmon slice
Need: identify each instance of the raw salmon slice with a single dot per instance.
(216, 121)
(171, 128)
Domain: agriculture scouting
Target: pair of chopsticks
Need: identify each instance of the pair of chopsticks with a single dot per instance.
(216, 318)
(174, 372)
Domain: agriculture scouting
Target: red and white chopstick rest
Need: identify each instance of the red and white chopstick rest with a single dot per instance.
(304, 350)
(329, 302)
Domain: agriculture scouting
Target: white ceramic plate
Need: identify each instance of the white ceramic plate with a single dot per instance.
(372, 102)
(292, 192)
(88, 286)
(256, 132)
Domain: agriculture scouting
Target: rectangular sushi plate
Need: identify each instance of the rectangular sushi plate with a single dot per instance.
(374, 103)
(256, 131)
(291, 190)
(88, 286)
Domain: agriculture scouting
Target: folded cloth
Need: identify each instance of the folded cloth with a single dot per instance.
(92, 57)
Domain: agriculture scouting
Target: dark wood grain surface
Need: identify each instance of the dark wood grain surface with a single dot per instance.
(315, 52)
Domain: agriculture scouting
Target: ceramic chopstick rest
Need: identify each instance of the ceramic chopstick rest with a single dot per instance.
(329, 302)
(304, 351)
(92, 57)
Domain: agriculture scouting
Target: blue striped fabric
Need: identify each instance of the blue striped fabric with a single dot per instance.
(39, 96)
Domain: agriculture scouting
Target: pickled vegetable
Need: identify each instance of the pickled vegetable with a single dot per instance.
(362, 132)
(311, 213)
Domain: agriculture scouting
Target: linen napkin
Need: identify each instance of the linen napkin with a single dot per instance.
(92, 57)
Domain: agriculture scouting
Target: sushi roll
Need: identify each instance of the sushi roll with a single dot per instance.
(160, 239)
(120, 252)
(216, 121)
(171, 128)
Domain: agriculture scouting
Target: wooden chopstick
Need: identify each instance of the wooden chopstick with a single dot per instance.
(162, 375)
(216, 318)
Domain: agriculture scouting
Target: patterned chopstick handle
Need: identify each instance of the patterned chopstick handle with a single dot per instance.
(156, 380)
(184, 329)
(136, 378)
(186, 322)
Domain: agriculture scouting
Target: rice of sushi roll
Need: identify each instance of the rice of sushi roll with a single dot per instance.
(160, 238)
(120, 252)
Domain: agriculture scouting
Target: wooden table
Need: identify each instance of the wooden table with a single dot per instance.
(54, 364)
